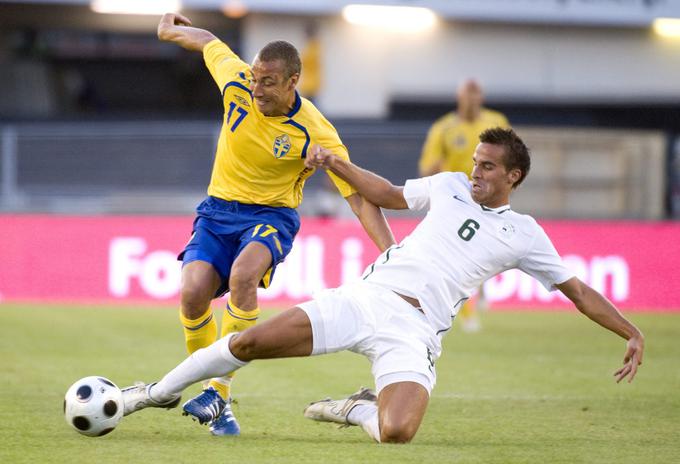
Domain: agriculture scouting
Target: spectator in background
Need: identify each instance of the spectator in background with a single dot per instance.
(448, 147)
(310, 78)
(328, 203)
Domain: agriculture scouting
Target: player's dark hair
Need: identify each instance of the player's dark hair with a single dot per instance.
(284, 51)
(516, 152)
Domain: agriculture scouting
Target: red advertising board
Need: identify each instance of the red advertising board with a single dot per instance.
(132, 259)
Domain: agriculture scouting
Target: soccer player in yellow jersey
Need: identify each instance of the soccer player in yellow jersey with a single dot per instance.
(448, 147)
(247, 224)
(310, 85)
(455, 135)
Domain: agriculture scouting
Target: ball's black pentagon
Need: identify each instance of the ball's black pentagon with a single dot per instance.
(110, 408)
(106, 381)
(104, 432)
(81, 423)
(84, 393)
(64, 405)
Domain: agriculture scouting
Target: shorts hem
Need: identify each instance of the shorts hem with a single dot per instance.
(197, 255)
(318, 328)
(406, 376)
(189, 257)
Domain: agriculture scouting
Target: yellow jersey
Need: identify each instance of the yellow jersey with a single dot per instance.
(453, 140)
(260, 159)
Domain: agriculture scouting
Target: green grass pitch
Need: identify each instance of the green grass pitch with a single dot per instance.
(529, 388)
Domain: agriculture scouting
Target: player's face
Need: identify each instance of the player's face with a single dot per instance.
(470, 99)
(273, 92)
(491, 181)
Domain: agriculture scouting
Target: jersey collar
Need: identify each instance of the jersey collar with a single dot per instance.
(296, 106)
(499, 210)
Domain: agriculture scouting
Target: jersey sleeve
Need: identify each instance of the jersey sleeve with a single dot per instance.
(417, 193)
(493, 118)
(543, 263)
(433, 148)
(503, 121)
(327, 136)
(343, 187)
(224, 65)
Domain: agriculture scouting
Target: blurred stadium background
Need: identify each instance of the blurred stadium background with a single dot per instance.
(100, 119)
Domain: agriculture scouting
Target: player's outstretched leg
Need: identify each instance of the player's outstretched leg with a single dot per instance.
(289, 334)
(138, 396)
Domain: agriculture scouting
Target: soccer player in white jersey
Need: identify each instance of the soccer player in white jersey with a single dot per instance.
(397, 314)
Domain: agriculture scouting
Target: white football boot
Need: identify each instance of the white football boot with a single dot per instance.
(137, 397)
(337, 410)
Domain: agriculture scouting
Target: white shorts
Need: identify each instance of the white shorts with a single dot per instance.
(371, 320)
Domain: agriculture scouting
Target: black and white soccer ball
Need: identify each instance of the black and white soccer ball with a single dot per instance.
(93, 406)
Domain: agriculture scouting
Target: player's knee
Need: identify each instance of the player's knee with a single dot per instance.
(195, 300)
(243, 280)
(245, 345)
(396, 432)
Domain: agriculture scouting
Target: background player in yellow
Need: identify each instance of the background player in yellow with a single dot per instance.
(449, 146)
(310, 83)
(247, 224)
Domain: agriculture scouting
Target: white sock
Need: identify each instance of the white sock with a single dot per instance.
(366, 416)
(215, 360)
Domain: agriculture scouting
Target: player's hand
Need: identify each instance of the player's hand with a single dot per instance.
(168, 22)
(175, 19)
(181, 20)
(319, 157)
(632, 359)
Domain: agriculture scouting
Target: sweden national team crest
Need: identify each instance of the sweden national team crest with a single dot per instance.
(281, 146)
(460, 141)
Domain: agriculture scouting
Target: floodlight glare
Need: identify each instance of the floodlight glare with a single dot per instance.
(398, 18)
(234, 9)
(135, 7)
(667, 27)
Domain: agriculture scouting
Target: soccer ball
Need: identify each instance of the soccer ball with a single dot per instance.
(93, 406)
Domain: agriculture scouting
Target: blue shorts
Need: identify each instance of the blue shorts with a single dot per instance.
(222, 229)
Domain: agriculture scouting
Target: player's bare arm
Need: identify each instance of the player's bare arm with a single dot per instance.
(373, 221)
(434, 168)
(176, 28)
(371, 186)
(599, 309)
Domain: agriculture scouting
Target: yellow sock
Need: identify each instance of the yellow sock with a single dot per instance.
(469, 319)
(467, 311)
(199, 333)
(234, 320)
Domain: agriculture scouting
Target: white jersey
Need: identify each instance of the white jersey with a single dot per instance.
(458, 245)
